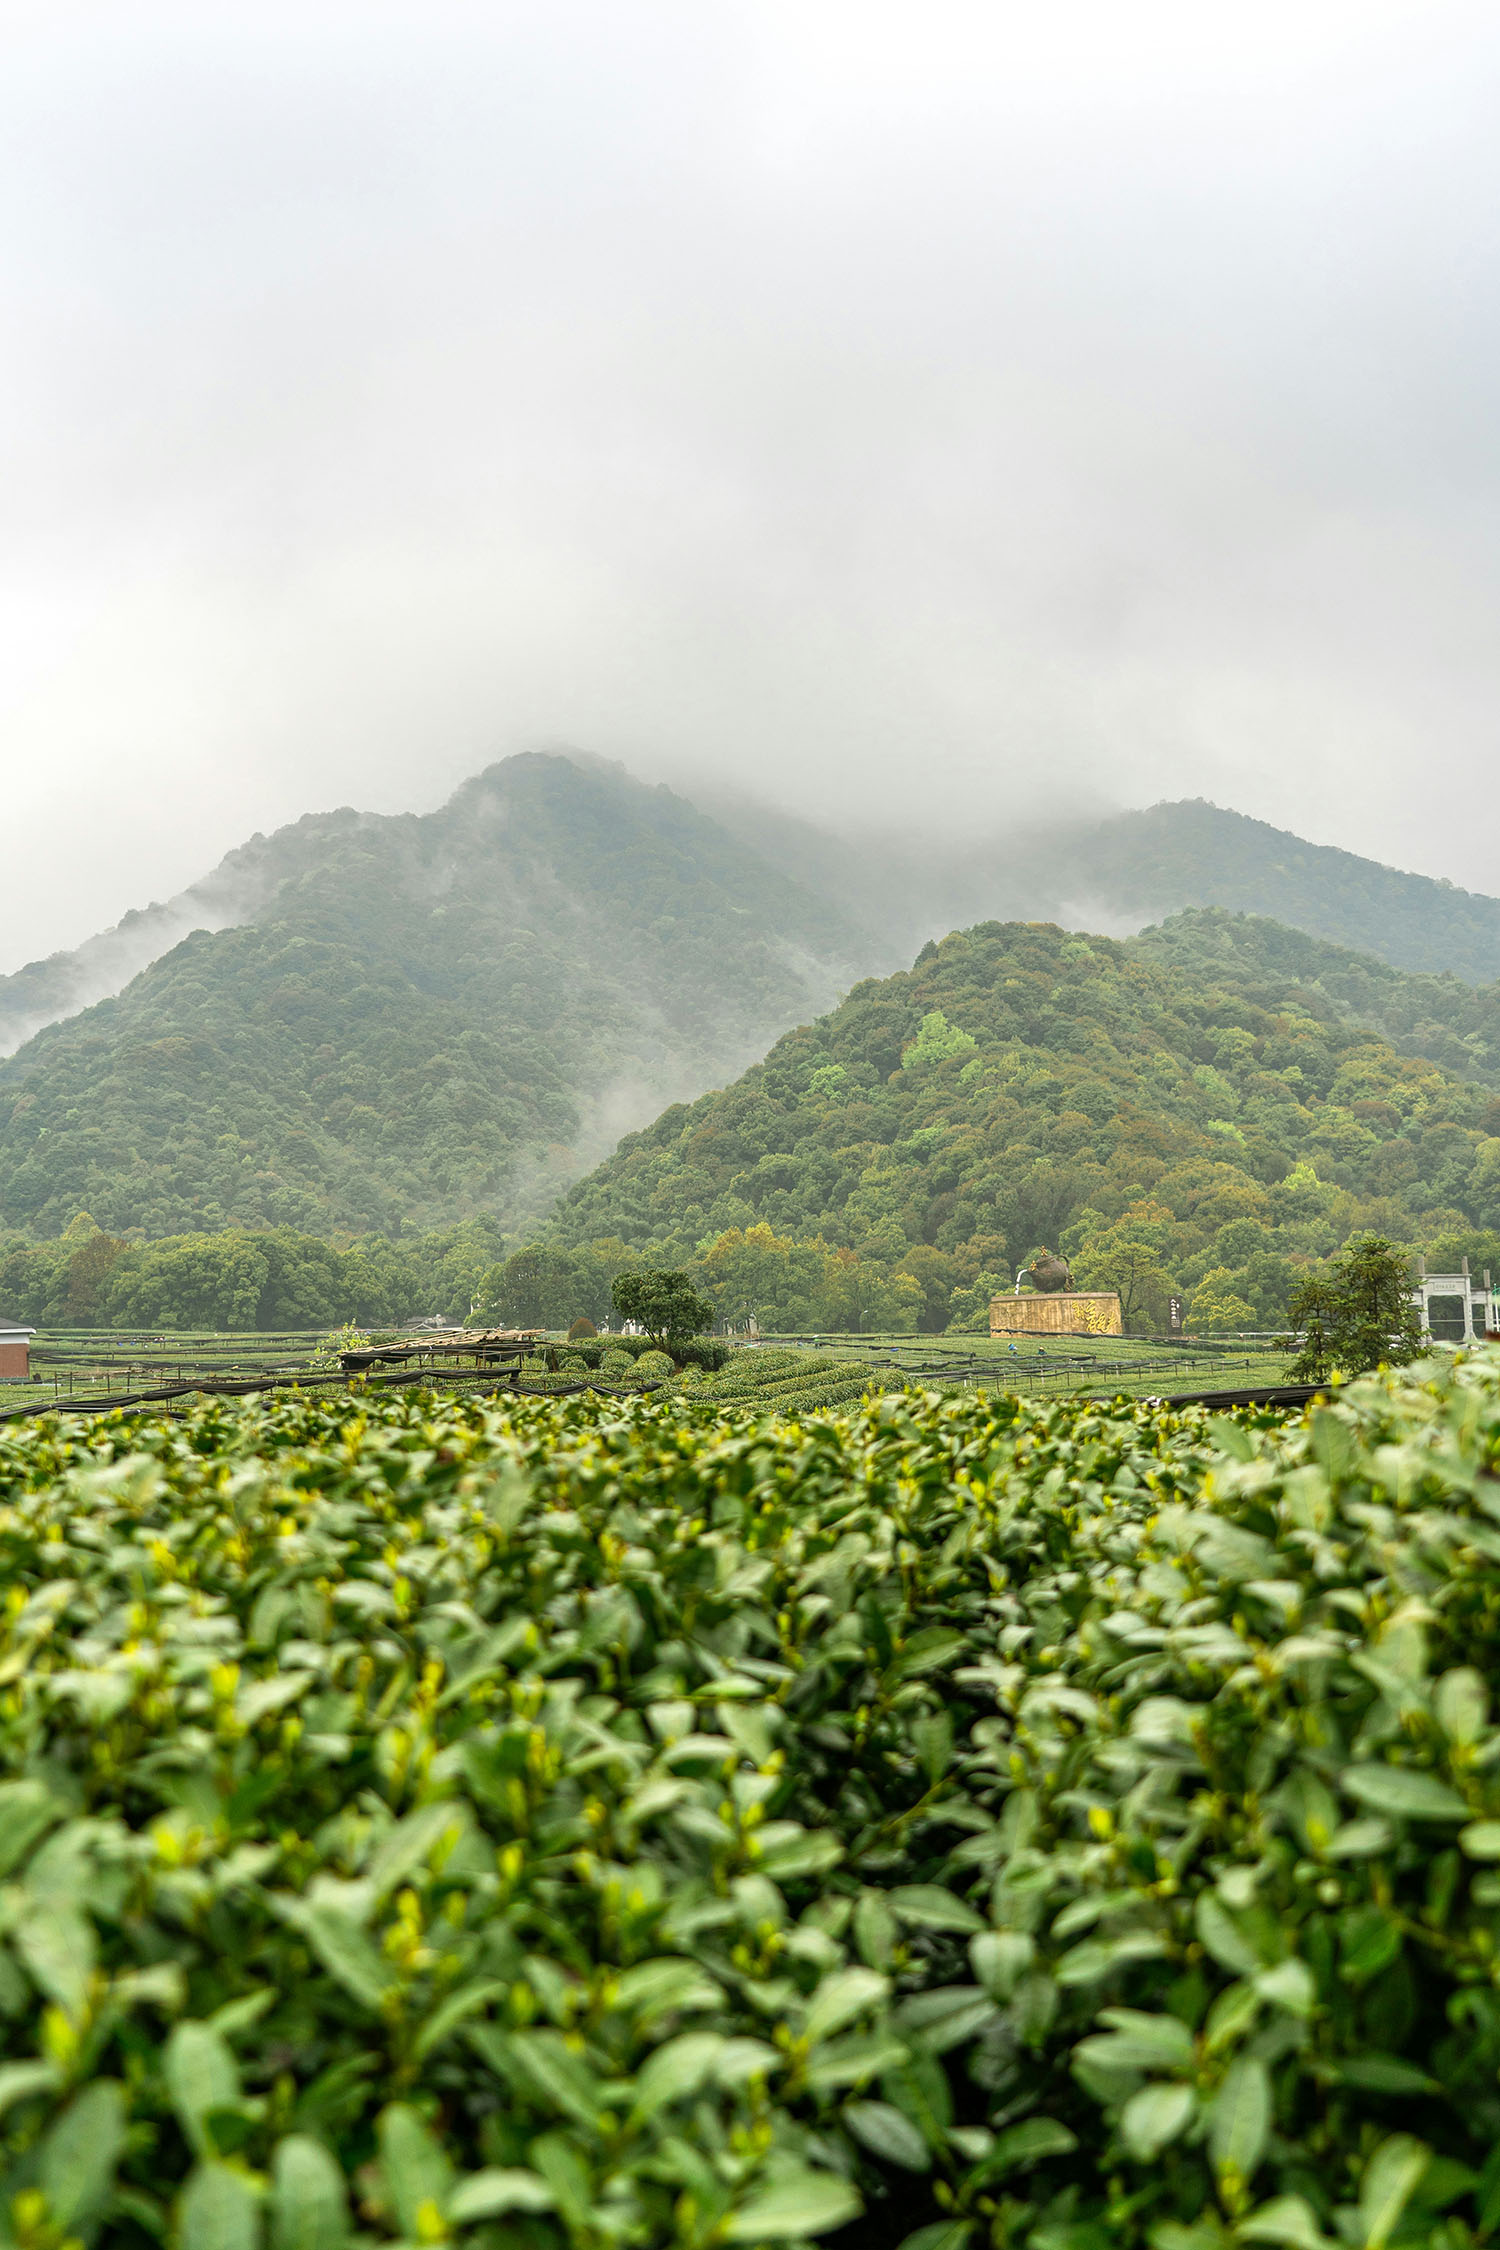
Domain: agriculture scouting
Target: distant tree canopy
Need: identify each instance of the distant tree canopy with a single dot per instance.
(544, 1286)
(537, 1288)
(666, 1305)
(275, 1279)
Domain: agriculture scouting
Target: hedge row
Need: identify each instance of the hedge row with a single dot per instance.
(590, 1824)
(815, 1389)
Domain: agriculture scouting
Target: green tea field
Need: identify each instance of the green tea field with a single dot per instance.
(1105, 1366)
(82, 1364)
(553, 1824)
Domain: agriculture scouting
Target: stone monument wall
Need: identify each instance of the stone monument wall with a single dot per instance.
(1063, 1312)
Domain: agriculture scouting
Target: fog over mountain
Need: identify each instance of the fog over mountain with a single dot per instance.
(943, 419)
(835, 906)
(400, 1020)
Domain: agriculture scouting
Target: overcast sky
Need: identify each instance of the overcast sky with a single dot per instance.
(925, 410)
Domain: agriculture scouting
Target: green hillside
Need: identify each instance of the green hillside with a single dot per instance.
(1172, 1120)
(243, 885)
(428, 1017)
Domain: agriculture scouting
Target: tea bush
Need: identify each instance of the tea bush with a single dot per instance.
(795, 1382)
(707, 1352)
(583, 1822)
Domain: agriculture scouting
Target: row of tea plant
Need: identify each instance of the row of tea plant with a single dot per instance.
(591, 1823)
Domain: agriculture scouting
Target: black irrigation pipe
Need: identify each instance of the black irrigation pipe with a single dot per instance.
(1276, 1394)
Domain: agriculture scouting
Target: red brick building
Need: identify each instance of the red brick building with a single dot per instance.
(15, 1349)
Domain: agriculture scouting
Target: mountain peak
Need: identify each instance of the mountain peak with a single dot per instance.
(421, 1017)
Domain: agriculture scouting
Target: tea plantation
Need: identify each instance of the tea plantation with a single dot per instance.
(654, 1822)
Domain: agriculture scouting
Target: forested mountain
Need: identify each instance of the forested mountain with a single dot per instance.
(427, 1016)
(881, 894)
(1208, 1108)
(1145, 865)
(1127, 871)
(394, 1023)
(242, 886)
(1181, 1111)
(1441, 1017)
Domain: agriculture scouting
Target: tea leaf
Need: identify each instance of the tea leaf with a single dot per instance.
(218, 2211)
(799, 2203)
(1239, 2118)
(1404, 1793)
(1153, 2117)
(309, 2207)
(1391, 2179)
(888, 2134)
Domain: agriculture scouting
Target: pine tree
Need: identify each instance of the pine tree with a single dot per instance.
(1358, 1314)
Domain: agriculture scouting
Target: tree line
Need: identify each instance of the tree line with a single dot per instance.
(239, 1279)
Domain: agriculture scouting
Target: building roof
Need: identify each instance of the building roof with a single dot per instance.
(14, 1327)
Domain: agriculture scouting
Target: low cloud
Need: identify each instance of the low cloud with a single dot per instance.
(939, 418)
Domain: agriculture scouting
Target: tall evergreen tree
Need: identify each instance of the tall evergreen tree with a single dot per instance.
(1357, 1315)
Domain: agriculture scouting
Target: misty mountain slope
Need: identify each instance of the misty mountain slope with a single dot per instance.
(237, 890)
(1119, 874)
(1197, 854)
(865, 898)
(1019, 1085)
(430, 1016)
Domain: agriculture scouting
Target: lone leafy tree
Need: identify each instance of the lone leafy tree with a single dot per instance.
(666, 1304)
(1358, 1314)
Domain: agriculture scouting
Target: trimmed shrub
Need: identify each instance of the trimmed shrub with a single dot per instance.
(708, 1352)
(583, 1326)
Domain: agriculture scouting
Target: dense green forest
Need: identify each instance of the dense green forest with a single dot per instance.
(1441, 1017)
(855, 898)
(428, 1021)
(435, 1017)
(418, 1019)
(1199, 1123)
(240, 889)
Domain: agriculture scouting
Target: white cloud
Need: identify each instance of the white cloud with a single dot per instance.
(912, 411)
